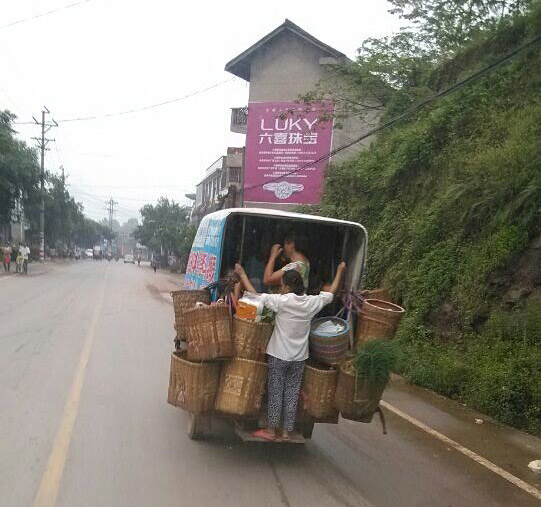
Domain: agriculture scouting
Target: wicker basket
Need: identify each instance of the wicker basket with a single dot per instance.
(208, 332)
(330, 350)
(319, 388)
(377, 319)
(381, 294)
(355, 398)
(193, 386)
(242, 385)
(185, 300)
(250, 338)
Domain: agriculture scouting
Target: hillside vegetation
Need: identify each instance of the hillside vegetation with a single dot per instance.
(451, 200)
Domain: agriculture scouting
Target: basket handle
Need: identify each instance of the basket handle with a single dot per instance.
(382, 420)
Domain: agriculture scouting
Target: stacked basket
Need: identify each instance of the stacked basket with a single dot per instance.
(195, 373)
(208, 332)
(327, 352)
(184, 300)
(193, 386)
(377, 319)
(243, 378)
(330, 383)
(356, 397)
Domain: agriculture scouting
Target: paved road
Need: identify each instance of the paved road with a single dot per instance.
(84, 358)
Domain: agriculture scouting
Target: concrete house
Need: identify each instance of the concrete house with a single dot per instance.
(286, 64)
(220, 186)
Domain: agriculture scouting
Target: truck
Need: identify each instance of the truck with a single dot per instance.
(241, 235)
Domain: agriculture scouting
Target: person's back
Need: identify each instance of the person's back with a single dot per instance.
(287, 350)
(294, 314)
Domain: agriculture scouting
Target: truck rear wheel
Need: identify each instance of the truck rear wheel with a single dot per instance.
(307, 429)
(196, 424)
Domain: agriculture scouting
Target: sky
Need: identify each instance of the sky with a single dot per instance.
(97, 57)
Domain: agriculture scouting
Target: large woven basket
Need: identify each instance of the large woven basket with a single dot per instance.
(242, 385)
(208, 332)
(330, 350)
(381, 294)
(377, 319)
(319, 389)
(250, 338)
(185, 300)
(355, 398)
(193, 386)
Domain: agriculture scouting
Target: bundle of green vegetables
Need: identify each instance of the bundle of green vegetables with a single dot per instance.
(374, 360)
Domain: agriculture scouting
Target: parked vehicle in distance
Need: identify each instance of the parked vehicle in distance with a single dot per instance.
(129, 258)
(89, 253)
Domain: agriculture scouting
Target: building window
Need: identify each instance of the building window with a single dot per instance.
(234, 174)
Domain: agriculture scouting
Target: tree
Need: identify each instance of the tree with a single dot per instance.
(19, 170)
(166, 225)
(392, 73)
(443, 26)
(20, 190)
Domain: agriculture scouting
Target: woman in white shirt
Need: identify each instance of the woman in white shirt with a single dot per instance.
(288, 347)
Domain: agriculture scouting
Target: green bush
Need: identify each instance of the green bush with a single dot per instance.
(497, 371)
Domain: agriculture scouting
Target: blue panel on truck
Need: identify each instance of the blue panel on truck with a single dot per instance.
(205, 257)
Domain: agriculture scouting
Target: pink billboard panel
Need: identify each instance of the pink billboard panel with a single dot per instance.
(284, 141)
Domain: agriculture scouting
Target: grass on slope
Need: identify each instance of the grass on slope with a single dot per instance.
(451, 199)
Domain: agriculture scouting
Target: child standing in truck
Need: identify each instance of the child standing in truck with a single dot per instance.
(288, 347)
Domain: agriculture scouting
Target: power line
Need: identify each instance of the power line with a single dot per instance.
(45, 13)
(136, 199)
(134, 186)
(447, 91)
(135, 109)
(146, 108)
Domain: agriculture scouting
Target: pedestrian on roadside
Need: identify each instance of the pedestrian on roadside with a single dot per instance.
(19, 260)
(25, 250)
(287, 350)
(6, 257)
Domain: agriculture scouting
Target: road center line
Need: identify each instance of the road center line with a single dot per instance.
(519, 483)
(50, 481)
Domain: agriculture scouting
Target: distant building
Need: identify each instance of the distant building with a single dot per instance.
(284, 65)
(220, 187)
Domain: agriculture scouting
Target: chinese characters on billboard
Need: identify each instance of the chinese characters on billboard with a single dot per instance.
(284, 142)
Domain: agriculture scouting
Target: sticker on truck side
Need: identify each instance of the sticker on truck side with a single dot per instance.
(204, 261)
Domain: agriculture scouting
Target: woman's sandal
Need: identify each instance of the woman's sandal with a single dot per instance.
(263, 434)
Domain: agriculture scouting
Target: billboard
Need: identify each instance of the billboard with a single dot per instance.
(284, 140)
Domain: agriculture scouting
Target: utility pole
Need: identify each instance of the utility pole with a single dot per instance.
(111, 203)
(42, 145)
(64, 228)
